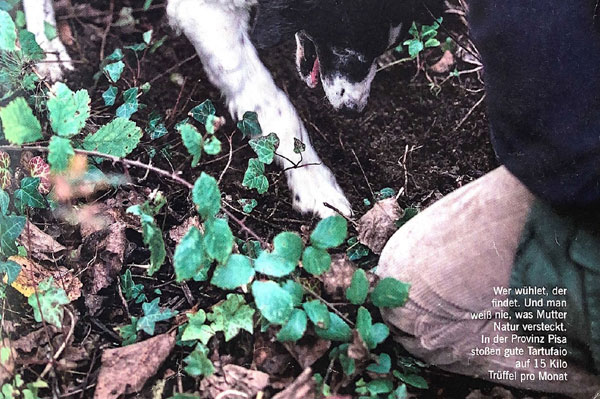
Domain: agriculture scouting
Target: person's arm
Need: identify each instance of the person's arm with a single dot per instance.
(542, 75)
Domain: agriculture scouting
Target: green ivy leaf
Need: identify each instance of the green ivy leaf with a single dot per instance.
(330, 232)
(113, 71)
(190, 259)
(196, 329)
(231, 316)
(249, 125)
(4, 202)
(29, 46)
(132, 291)
(198, 363)
(19, 124)
(207, 196)
(147, 36)
(10, 229)
(8, 34)
(28, 194)
(295, 327)
(237, 272)
(212, 146)
(116, 55)
(295, 290)
(383, 365)
(48, 303)
(255, 176)
(152, 315)
(203, 111)
(50, 31)
(299, 146)
(130, 105)
(247, 205)
(317, 313)
(316, 261)
(118, 138)
(192, 139)
(284, 258)
(390, 293)
(273, 302)
(359, 288)
(152, 238)
(156, 127)
(382, 386)
(11, 270)
(60, 152)
(414, 380)
(372, 334)
(338, 330)
(265, 147)
(128, 332)
(68, 111)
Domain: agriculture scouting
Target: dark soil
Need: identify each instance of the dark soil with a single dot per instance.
(408, 139)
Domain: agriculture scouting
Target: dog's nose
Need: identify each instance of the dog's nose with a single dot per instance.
(349, 111)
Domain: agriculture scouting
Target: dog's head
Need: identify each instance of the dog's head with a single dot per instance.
(339, 45)
(338, 41)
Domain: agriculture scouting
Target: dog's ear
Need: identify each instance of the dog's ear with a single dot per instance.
(274, 21)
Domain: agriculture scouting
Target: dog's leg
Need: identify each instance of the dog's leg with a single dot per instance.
(218, 30)
(38, 12)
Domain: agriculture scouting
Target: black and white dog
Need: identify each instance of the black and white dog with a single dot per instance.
(338, 42)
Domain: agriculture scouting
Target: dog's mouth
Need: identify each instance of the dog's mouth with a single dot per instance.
(307, 61)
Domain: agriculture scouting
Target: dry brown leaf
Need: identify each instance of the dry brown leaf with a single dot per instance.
(304, 387)
(125, 370)
(37, 243)
(337, 279)
(308, 350)
(32, 274)
(271, 356)
(177, 233)
(378, 224)
(444, 64)
(7, 368)
(234, 378)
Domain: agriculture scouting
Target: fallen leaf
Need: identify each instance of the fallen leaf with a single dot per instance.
(32, 274)
(338, 278)
(37, 243)
(8, 356)
(236, 378)
(177, 233)
(304, 387)
(65, 33)
(271, 356)
(308, 350)
(125, 370)
(444, 64)
(378, 224)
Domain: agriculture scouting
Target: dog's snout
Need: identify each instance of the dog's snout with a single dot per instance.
(351, 111)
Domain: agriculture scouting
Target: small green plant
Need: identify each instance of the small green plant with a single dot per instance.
(423, 38)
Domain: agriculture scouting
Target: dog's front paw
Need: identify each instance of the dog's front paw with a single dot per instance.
(312, 187)
(56, 62)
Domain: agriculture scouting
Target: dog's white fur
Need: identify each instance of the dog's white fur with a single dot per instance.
(36, 13)
(218, 29)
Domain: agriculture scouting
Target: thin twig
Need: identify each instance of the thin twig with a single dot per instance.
(62, 346)
(230, 140)
(470, 112)
(329, 305)
(364, 174)
(107, 29)
(172, 68)
(128, 162)
(391, 64)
